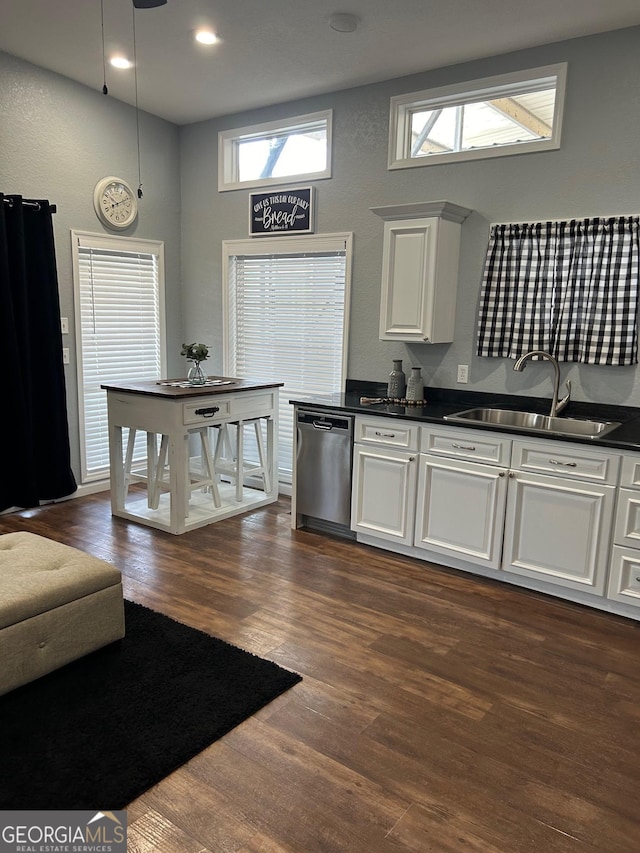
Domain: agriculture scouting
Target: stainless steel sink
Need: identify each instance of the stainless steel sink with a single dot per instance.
(532, 422)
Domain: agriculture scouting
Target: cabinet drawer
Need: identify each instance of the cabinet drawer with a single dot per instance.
(624, 576)
(630, 476)
(202, 410)
(385, 432)
(566, 460)
(473, 445)
(627, 527)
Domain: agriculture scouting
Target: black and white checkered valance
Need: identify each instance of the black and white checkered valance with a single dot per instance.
(569, 288)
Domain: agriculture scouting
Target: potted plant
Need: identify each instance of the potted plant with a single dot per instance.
(195, 353)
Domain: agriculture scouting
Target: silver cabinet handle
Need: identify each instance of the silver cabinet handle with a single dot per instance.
(501, 474)
(462, 446)
(385, 434)
(511, 474)
(412, 459)
(560, 462)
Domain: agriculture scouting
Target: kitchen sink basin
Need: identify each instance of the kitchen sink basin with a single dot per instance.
(532, 422)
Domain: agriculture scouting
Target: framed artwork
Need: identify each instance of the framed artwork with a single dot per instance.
(283, 212)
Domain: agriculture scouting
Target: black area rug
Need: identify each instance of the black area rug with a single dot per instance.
(102, 730)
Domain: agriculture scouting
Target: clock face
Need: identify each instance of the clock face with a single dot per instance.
(115, 203)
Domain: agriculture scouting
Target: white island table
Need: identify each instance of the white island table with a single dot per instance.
(166, 479)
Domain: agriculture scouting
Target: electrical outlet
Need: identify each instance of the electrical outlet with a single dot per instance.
(463, 373)
(64, 325)
(65, 355)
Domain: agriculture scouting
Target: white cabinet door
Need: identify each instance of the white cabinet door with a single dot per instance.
(558, 530)
(460, 509)
(420, 276)
(384, 493)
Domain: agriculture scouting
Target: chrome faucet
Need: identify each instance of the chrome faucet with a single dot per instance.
(556, 407)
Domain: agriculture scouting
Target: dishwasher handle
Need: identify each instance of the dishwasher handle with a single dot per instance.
(326, 423)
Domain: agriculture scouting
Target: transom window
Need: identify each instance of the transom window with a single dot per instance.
(275, 152)
(493, 117)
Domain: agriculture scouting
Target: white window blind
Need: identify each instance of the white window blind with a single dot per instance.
(286, 319)
(119, 285)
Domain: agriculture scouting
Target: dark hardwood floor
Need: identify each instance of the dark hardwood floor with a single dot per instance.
(438, 711)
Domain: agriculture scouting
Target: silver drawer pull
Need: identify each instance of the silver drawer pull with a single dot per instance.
(462, 446)
(560, 462)
(385, 434)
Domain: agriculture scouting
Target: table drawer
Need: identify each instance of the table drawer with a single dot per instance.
(473, 445)
(385, 432)
(566, 460)
(203, 410)
(255, 404)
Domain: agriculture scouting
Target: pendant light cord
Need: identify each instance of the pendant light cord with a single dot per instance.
(105, 91)
(135, 77)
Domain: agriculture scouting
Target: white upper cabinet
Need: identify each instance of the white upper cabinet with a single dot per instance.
(420, 271)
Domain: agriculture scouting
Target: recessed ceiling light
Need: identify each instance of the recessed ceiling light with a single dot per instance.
(207, 37)
(120, 62)
(343, 22)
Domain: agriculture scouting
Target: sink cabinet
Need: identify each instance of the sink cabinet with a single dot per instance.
(559, 514)
(546, 514)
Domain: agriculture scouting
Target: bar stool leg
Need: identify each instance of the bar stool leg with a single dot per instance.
(160, 465)
(128, 459)
(262, 456)
(210, 468)
(239, 460)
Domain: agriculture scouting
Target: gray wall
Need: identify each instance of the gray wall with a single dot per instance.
(57, 139)
(596, 172)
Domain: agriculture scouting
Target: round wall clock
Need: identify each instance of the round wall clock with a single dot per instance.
(115, 203)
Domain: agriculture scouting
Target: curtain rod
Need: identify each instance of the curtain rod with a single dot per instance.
(569, 219)
(28, 203)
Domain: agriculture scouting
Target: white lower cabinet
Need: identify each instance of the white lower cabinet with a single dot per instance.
(383, 495)
(624, 573)
(460, 509)
(549, 511)
(558, 531)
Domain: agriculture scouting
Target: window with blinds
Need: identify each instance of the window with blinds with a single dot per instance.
(119, 308)
(286, 319)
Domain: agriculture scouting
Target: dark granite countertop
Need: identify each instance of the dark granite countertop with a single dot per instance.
(444, 401)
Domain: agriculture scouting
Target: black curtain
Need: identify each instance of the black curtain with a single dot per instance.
(35, 461)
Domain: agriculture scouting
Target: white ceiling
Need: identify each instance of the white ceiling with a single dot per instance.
(278, 50)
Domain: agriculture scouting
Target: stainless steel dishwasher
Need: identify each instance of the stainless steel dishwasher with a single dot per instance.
(323, 467)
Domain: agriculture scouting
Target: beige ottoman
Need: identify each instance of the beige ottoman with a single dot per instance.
(56, 605)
